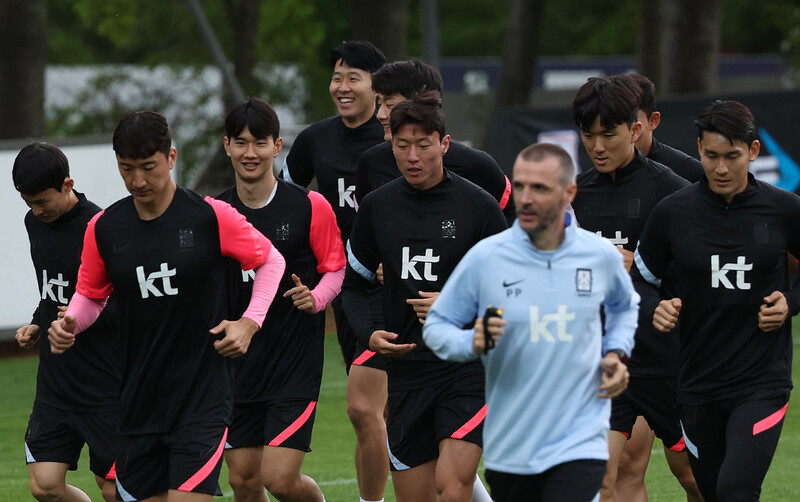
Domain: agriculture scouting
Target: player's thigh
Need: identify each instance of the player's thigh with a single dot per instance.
(281, 463)
(416, 484)
(458, 461)
(244, 464)
(366, 392)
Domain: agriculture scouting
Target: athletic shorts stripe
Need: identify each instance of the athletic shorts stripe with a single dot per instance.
(506, 194)
(689, 445)
(112, 473)
(679, 446)
(770, 421)
(207, 469)
(398, 465)
(302, 419)
(123, 493)
(471, 424)
(364, 357)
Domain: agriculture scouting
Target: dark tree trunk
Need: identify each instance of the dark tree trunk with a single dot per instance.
(520, 53)
(651, 54)
(243, 18)
(697, 46)
(23, 57)
(384, 23)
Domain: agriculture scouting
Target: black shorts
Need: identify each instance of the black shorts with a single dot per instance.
(655, 400)
(285, 423)
(576, 481)
(188, 459)
(56, 435)
(731, 442)
(420, 418)
(368, 359)
(344, 333)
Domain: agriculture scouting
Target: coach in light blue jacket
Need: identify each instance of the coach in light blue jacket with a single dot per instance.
(552, 371)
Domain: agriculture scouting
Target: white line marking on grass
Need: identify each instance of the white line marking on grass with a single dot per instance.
(337, 482)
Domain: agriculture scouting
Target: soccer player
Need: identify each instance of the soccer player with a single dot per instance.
(397, 82)
(727, 238)
(630, 482)
(329, 149)
(551, 372)
(684, 165)
(276, 384)
(76, 393)
(366, 386)
(419, 226)
(614, 199)
(163, 251)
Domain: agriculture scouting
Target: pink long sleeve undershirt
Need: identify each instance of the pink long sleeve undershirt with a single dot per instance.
(328, 287)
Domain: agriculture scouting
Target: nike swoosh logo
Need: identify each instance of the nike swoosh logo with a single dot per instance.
(509, 284)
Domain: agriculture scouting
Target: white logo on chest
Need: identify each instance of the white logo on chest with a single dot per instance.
(409, 267)
(346, 194)
(539, 327)
(719, 275)
(147, 284)
(58, 283)
(617, 240)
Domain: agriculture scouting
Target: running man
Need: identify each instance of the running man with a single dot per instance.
(164, 253)
(726, 237)
(419, 226)
(276, 384)
(77, 393)
(549, 377)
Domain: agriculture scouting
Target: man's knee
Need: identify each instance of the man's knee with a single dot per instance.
(245, 480)
(45, 491)
(363, 414)
(454, 490)
(282, 486)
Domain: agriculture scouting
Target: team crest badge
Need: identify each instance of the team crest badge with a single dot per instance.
(448, 229)
(186, 238)
(583, 280)
(282, 231)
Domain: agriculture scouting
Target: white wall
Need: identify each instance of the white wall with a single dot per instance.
(94, 169)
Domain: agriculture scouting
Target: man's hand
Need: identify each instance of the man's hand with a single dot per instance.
(479, 338)
(379, 273)
(301, 296)
(773, 312)
(27, 336)
(237, 336)
(666, 315)
(615, 376)
(61, 334)
(62, 311)
(379, 343)
(423, 305)
(627, 257)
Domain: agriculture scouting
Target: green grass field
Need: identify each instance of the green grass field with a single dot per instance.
(331, 461)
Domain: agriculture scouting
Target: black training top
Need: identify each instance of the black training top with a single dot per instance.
(618, 209)
(727, 258)
(168, 275)
(419, 236)
(377, 166)
(285, 357)
(86, 377)
(685, 166)
(330, 151)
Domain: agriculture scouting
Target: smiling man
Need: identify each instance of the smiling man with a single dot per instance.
(329, 149)
(614, 199)
(276, 384)
(419, 226)
(727, 237)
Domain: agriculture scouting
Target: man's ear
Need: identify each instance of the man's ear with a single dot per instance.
(654, 120)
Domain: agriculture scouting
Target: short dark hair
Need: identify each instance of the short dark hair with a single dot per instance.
(647, 103)
(141, 135)
(38, 167)
(358, 54)
(537, 152)
(256, 115)
(408, 78)
(614, 99)
(424, 110)
(731, 119)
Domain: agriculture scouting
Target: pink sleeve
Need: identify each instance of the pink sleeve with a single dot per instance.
(265, 285)
(238, 238)
(506, 194)
(93, 280)
(84, 310)
(324, 237)
(329, 286)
